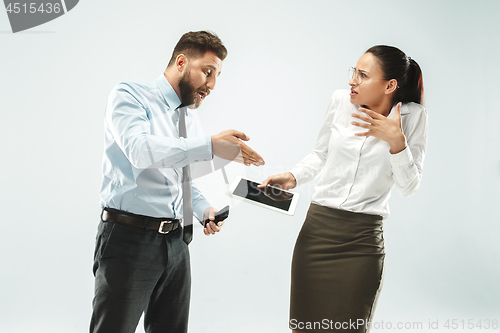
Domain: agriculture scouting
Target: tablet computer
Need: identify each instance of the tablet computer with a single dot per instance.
(269, 197)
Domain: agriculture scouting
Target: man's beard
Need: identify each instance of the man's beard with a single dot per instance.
(189, 94)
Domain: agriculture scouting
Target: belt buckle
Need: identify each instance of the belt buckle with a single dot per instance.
(162, 224)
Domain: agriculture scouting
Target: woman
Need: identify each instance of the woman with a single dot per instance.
(373, 137)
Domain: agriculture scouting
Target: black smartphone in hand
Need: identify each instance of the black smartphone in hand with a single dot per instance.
(221, 215)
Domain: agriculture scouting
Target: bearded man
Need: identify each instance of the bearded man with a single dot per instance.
(141, 260)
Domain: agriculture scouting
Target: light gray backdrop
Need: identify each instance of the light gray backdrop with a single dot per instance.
(285, 59)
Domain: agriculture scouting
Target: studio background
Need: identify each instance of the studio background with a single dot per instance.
(285, 59)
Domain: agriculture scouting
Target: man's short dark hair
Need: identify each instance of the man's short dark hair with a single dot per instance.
(195, 44)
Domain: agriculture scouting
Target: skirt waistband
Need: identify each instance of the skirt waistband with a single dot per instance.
(344, 214)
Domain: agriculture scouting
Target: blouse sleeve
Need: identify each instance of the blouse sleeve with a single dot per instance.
(407, 165)
(307, 169)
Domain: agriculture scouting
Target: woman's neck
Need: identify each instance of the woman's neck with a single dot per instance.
(384, 108)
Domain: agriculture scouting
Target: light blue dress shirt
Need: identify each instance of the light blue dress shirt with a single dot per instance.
(143, 153)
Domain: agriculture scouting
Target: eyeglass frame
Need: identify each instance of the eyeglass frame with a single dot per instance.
(358, 80)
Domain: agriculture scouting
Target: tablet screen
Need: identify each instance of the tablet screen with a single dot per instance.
(270, 196)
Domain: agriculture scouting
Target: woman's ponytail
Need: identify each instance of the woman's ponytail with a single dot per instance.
(413, 88)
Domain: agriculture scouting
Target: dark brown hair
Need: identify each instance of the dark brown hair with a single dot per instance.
(195, 44)
(396, 65)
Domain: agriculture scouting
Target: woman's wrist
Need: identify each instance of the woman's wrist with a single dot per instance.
(292, 178)
(398, 145)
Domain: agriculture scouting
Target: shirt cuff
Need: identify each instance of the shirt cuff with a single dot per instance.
(297, 175)
(200, 208)
(403, 158)
(199, 149)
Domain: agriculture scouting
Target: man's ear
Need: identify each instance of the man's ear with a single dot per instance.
(391, 86)
(181, 62)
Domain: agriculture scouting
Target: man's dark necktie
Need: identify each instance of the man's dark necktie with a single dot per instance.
(187, 196)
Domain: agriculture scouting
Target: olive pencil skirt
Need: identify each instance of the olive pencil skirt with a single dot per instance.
(337, 271)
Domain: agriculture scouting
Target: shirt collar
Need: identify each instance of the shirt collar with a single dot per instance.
(403, 110)
(169, 94)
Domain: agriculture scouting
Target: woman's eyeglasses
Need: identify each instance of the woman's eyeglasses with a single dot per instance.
(358, 76)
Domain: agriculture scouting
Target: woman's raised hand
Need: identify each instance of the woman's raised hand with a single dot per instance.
(381, 127)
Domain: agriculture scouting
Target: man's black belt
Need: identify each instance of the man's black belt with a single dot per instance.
(162, 225)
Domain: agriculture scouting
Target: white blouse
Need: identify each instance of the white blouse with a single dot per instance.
(358, 173)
